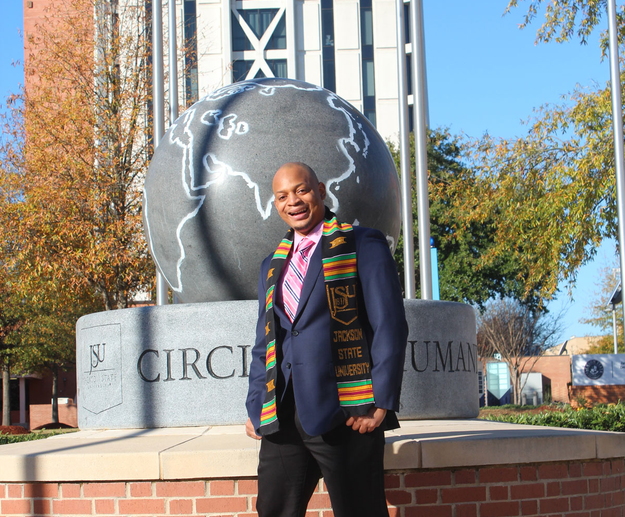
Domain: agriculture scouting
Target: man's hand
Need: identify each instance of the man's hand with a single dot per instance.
(367, 423)
(250, 431)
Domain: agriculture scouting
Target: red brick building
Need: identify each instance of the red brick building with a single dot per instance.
(557, 369)
(31, 400)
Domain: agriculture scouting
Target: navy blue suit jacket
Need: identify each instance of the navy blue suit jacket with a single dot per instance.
(305, 346)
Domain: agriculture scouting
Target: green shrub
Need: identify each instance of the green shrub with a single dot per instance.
(603, 417)
(16, 438)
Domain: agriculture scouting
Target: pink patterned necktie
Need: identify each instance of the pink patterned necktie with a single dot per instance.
(294, 277)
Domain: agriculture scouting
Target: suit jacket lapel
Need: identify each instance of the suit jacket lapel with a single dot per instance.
(312, 276)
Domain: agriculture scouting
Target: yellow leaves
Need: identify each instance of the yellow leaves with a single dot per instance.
(563, 19)
(548, 191)
(78, 222)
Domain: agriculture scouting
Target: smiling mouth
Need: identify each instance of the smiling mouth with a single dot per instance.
(299, 213)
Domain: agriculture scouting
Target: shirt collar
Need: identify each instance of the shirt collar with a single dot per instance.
(314, 235)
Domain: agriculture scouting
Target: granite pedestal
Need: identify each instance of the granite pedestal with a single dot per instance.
(188, 364)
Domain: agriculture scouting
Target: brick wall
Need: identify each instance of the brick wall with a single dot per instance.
(596, 394)
(41, 414)
(580, 489)
(556, 368)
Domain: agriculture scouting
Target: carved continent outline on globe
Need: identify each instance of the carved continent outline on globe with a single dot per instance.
(208, 204)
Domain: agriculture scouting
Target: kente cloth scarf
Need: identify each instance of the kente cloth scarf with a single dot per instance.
(350, 350)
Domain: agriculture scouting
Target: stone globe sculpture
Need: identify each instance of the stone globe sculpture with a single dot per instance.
(209, 220)
(208, 204)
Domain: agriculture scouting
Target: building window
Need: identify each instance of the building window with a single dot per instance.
(366, 20)
(409, 73)
(407, 21)
(278, 67)
(368, 82)
(190, 56)
(258, 21)
(327, 40)
(241, 69)
(368, 69)
(255, 30)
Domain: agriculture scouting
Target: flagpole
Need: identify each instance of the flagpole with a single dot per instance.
(617, 124)
(419, 89)
(173, 64)
(404, 155)
(158, 110)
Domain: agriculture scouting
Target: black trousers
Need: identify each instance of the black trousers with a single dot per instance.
(291, 463)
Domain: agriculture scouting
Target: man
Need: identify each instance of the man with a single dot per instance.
(326, 368)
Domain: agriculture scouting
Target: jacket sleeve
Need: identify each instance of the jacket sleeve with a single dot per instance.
(384, 305)
(256, 390)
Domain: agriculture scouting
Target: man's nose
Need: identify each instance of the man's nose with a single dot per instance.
(293, 198)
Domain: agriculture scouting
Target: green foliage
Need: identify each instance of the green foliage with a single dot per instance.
(605, 344)
(518, 218)
(47, 338)
(11, 318)
(552, 190)
(16, 438)
(471, 267)
(515, 406)
(600, 314)
(603, 417)
(565, 19)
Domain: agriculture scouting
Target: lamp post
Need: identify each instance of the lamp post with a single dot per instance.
(616, 297)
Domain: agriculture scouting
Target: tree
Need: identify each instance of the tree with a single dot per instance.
(72, 159)
(518, 334)
(569, 18)
(47, 339)
(601, 314)
(552, 190)
(10, 323)
(468, 270)
(86, 151)
(11, 316)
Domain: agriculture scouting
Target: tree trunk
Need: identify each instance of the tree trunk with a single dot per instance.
(516, 392)
(55, 394)
(6, 395)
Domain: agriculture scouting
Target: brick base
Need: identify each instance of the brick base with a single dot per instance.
(41, 414)
(596, 395)
(580, 489)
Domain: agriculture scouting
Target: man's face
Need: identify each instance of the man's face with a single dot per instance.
(299, 198)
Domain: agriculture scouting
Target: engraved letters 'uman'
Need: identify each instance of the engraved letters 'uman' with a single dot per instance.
(434, 356)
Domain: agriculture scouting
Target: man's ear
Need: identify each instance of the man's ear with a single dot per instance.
(322, 190)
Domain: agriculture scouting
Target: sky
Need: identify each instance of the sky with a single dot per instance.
(11, 50)
(484, 75)
(487, 75)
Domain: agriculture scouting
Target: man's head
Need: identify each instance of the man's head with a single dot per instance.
(299, 196)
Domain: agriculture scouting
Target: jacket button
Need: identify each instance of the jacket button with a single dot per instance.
(288, 366)
(295, 333)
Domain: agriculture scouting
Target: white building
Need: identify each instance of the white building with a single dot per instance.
(347, 46)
